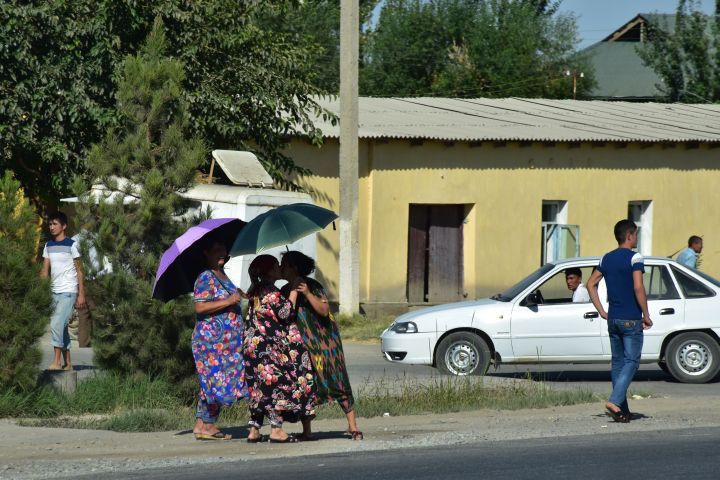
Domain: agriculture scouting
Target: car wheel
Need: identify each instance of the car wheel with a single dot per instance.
(663, 366)
(693, 357)
(463, 353)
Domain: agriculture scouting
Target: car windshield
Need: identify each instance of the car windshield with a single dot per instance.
(707, 277)
(515, 290)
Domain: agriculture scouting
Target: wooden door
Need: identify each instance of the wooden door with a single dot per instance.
(435, 253)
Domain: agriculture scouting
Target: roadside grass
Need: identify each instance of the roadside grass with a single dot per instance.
(360, 328)
(140, 404)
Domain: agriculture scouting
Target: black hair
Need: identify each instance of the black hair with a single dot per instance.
(693, 239)
(573, 271)
(59, 216)
(304, 264)
(623, 228)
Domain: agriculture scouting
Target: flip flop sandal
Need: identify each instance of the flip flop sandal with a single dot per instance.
(618, 416)
(289, 439)
(255, 440)
(214, 436)
(356, 435)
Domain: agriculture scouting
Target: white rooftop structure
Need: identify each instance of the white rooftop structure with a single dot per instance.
(528, 120)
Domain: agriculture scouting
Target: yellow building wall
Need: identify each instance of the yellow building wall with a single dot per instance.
(503, 186)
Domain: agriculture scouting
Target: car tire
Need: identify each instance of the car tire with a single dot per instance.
(463, 353)
(663, 366)
(693, 357)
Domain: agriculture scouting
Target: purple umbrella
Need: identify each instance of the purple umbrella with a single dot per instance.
(183, 261)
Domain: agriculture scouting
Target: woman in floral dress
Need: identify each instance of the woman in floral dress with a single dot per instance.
(322, 338)
(217, 343)
(277, 365)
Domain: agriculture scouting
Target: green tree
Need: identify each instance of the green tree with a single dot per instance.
(686, 56)
(24, 298)
(148, 159)
(246, 87)
(474, 48)
(316, 24)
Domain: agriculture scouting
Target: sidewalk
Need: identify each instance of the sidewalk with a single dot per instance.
(56, 453)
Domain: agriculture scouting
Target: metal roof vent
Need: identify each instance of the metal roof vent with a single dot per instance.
(242, 168)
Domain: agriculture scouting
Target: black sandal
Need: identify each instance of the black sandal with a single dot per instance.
(255, 440)
(356, 435)
(618, 416)
(289, 439)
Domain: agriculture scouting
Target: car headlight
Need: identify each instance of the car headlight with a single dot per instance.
(405, 327)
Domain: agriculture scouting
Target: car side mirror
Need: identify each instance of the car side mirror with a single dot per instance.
(532, 300)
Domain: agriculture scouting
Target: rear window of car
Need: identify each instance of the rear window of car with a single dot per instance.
(691, 287)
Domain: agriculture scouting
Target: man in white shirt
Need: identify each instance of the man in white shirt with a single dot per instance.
(61, 262)
(573, 278)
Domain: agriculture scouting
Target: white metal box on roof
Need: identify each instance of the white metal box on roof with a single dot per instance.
(251, 195)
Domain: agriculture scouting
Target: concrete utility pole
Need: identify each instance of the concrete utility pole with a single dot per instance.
(349, 241)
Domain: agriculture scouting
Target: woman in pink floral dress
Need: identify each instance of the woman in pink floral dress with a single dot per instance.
(217, 343)
(277, 365)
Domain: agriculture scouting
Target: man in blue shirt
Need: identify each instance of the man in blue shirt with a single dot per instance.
(627, 315)
(689, 256)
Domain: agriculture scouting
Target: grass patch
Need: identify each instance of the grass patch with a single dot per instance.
(145, 407)
(361, 328)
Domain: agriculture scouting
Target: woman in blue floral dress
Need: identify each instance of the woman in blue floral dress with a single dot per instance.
(217, 343)
(277, 364)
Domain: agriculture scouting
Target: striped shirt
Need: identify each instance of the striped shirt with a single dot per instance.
(62, 255)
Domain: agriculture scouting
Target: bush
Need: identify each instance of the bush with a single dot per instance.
(25, 299)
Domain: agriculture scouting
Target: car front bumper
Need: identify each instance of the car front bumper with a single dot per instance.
(408, 348)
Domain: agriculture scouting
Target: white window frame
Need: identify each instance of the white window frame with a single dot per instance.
(644, 224)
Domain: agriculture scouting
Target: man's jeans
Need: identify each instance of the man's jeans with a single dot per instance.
(62, 310)
(626, 342)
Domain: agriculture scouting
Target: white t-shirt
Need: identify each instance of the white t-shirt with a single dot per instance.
(580, 295)
(62, 255)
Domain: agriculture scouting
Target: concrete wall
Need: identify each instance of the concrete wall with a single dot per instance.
(503, 186)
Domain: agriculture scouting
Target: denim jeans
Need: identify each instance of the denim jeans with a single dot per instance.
(626, 342)
(62, 310)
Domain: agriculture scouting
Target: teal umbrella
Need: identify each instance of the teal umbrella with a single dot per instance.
(281, 226)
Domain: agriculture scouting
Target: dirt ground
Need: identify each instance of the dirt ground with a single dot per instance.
(47, 452)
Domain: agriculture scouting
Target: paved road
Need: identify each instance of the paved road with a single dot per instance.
(631, 455)
(367, 366)
(365, 362)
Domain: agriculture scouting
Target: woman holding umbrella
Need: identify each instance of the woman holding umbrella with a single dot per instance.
(321, 336)
(217, 341)
(279, 373)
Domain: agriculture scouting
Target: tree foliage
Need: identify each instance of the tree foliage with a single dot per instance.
(146, 161)
(316, 24)
(246, 87)
(473, 48)
(24, 298)
(686, 57)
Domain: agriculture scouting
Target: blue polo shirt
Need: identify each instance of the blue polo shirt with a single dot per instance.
(617, 267)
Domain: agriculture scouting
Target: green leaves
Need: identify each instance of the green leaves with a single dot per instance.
(60, 61)
(142, 165)
(24, 298)
(473, 48)
(686, 56)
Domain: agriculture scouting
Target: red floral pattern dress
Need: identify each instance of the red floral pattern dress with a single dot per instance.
(277, 365)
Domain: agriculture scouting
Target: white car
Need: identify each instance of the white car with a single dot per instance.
(535, 321)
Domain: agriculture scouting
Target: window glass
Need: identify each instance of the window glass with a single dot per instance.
(658, 283)
(556, 290)
(691, 287)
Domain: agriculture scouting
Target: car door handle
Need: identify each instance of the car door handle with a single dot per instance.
(591, 315)
(667, 311)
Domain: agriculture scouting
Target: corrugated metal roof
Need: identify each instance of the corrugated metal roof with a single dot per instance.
(522, 119)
